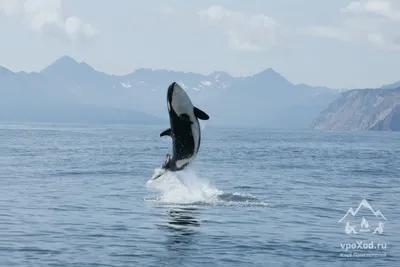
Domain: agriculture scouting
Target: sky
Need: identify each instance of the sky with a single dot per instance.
(339, 44)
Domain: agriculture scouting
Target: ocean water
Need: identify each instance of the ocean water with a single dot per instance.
(75, 195)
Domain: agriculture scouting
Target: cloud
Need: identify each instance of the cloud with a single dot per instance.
(383, 8)
(327, 32)
(376, 22)
(245, 32)
(46, 17)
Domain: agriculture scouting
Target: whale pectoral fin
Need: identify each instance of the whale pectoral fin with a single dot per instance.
(166, 132)
(201, 114)
(185, 117)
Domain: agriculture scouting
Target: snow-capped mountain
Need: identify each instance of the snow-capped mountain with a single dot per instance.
(264, 99)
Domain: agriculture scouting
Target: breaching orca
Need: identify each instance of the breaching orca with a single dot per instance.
(184, 131)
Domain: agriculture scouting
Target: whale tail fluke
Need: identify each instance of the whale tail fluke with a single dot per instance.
(158, 173)
(164, 168)
(167, 162)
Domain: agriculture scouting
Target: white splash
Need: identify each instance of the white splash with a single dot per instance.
(186, 188)
(203, 125)
(183, 187)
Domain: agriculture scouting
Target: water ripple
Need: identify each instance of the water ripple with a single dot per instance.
(77, 196)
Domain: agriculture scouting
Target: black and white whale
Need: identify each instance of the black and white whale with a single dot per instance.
(184, 129)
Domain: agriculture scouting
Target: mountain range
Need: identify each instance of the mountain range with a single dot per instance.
(73, 91)
(362, 110)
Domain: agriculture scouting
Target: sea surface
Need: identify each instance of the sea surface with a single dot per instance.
(76, 195)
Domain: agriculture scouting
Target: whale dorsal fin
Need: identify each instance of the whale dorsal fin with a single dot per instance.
(201, 114)
(166, 132)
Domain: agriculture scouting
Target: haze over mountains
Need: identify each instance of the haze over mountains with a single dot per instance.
(68, 91)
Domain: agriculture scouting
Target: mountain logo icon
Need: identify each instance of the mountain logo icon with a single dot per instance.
(364, 203)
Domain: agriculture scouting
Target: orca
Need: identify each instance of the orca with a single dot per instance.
(184, 129)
